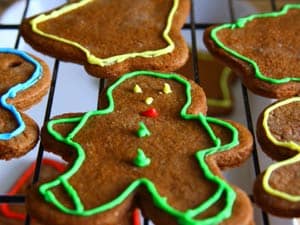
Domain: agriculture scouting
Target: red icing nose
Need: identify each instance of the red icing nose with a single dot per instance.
(150, 113)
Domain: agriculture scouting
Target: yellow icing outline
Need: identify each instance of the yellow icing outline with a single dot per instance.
(288, 144)
(92, 59)
(149, 100)
(226, 101)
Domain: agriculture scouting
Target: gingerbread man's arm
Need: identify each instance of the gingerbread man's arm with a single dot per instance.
(51, 144)
(239, 153)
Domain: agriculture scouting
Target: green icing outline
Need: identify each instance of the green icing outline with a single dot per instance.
(186, 217)
(240, 23)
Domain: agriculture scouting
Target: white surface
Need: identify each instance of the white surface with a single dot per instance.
(77, 92)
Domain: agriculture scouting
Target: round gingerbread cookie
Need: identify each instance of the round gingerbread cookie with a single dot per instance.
(113, 37)
(24, 81)
(152, 148)
(278, 132)
(263, 49)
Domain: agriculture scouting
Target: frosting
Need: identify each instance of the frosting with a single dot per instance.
(136, 217)
(240, 23)
(137, 89)
(92, 59)
(143, 130)
(266, 178)
(167, 89)
(149, 100)
(183, 217)
(4, 207)
(152, 113)
(287, 144)
(226, 101)
(141, 160)
(13, 91)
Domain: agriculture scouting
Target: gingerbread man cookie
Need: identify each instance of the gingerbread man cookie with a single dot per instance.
(153, 148)
(24, 81)
(113, 37)
(263, 49)
(278, 132)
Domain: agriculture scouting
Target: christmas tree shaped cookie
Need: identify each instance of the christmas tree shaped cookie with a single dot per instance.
(151, 148)
(113, 37)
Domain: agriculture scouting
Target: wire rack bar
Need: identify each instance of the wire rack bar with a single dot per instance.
(193, 26)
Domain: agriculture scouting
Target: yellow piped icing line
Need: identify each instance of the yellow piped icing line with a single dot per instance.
(288, 144)
(223, 82)
(92, 59)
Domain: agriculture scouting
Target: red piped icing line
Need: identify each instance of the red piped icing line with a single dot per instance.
(136, 217)
(152, 113)
(4, 208)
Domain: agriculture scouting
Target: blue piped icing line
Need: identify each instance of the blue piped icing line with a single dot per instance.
(12, 92)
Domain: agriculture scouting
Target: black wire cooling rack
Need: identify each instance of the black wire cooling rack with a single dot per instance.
(193, 29)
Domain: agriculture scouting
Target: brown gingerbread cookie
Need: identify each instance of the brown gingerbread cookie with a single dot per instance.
(24, 81)
(15, 214)
(215, 79)
(278, 132)
(113, 37)
(263, 49)
(5, 4)
(151, 148)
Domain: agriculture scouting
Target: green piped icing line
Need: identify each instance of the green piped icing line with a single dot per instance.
(183, 217)
(93, 59)
(240, 23)
(141, 160)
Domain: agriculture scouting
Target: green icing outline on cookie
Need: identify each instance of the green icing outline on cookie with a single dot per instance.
(240, 23)
(186, 217)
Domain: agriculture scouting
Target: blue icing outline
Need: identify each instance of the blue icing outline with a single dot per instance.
(13, 91)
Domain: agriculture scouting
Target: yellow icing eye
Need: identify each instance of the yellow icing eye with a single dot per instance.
(149, 100)
(137, 89)
(167, 88)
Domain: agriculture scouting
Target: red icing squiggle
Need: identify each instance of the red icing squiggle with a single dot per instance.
(136, 217)
(4, 208)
